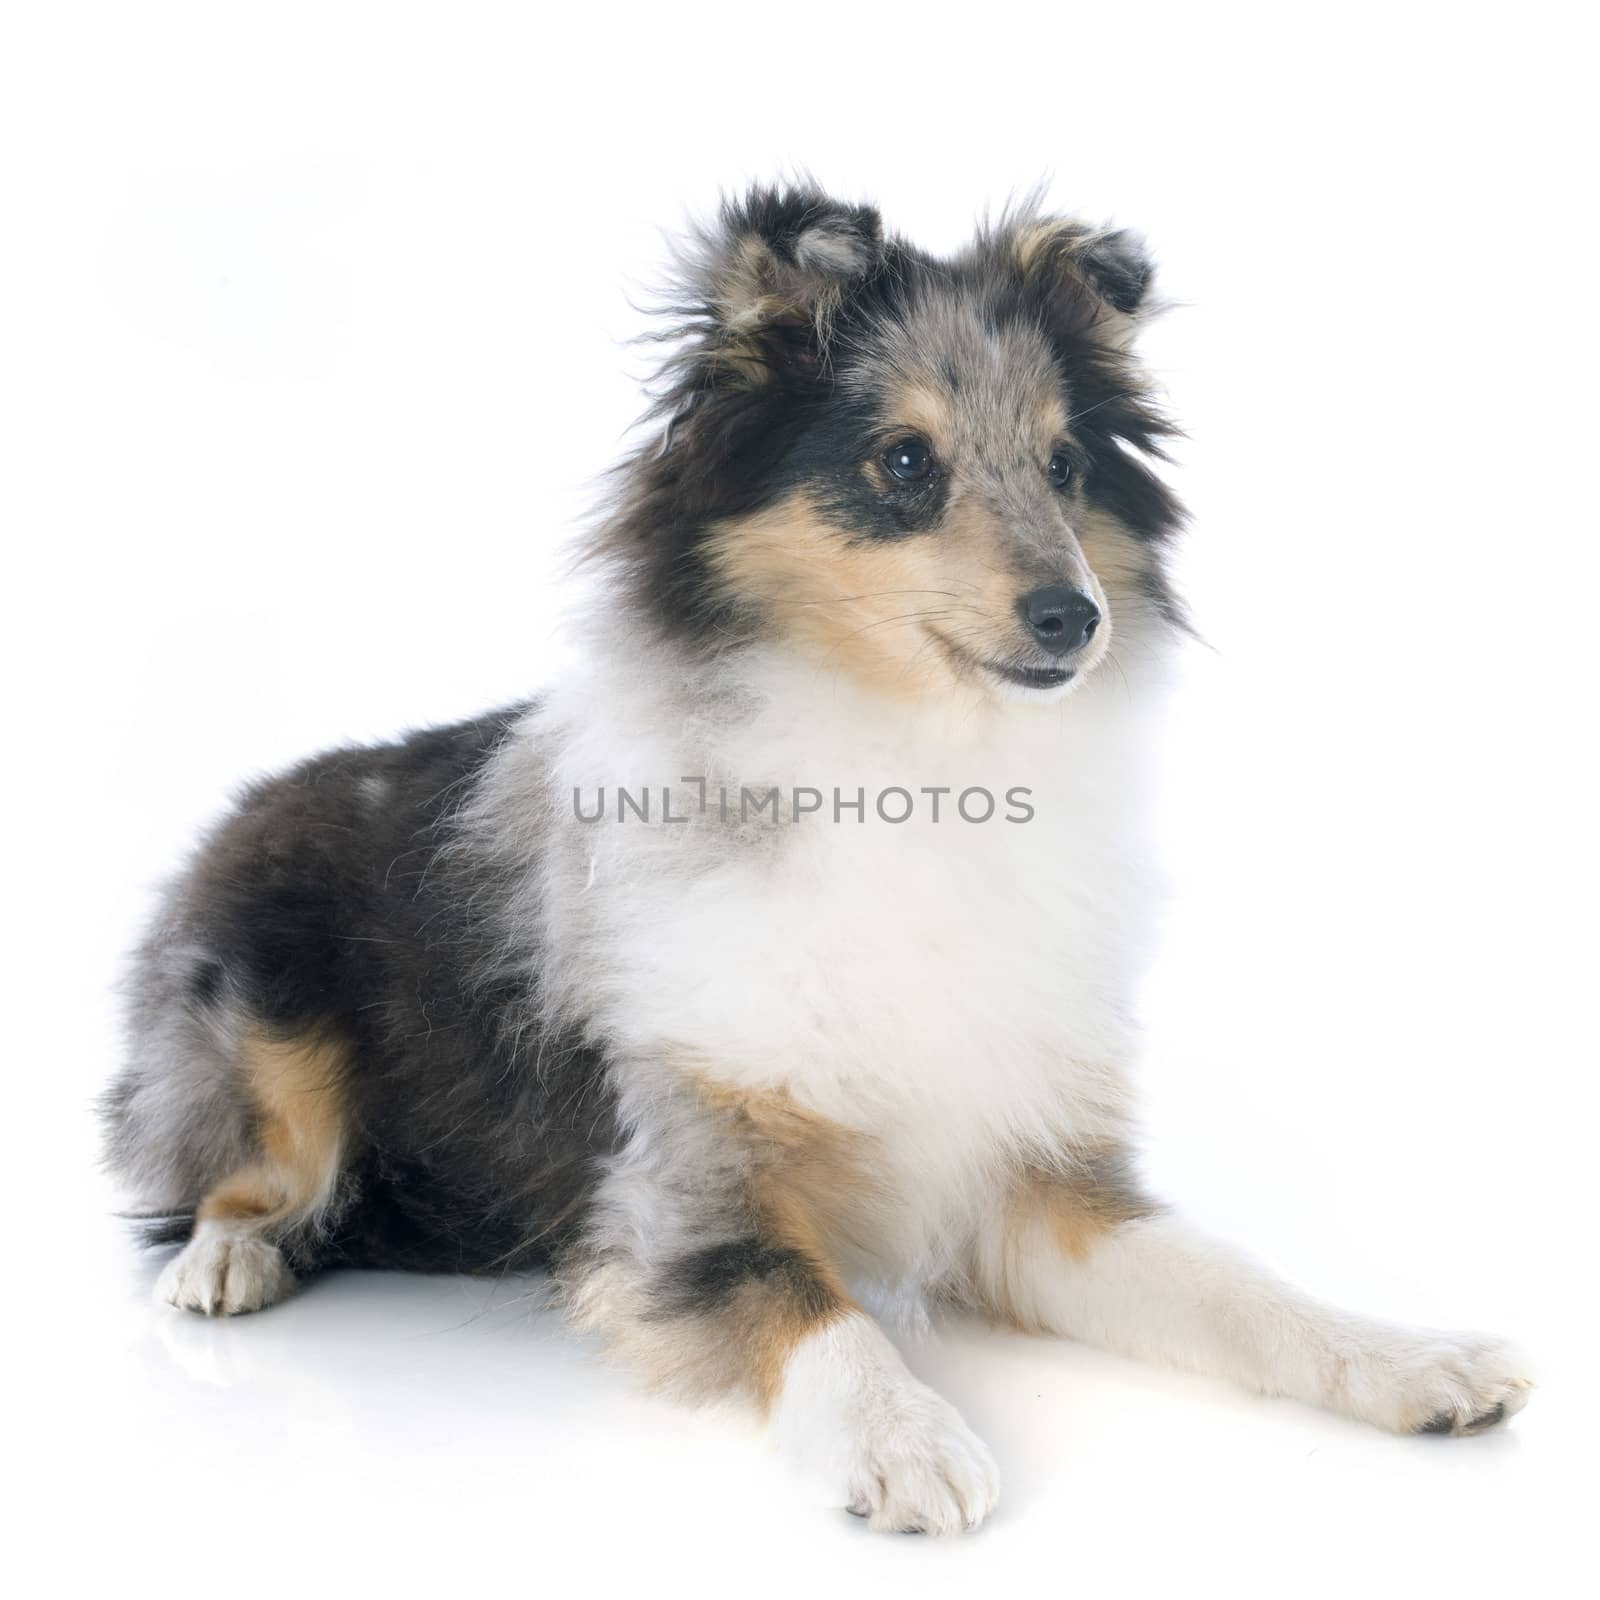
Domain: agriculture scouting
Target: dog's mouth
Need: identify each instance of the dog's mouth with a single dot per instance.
(1031, 677)
(1039, 678)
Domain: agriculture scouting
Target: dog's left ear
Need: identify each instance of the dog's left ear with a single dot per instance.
(1096, 281)
(771, 273)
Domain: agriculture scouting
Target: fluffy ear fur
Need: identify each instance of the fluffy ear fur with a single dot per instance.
(758, 292)
(1095, 281)
(765, 280)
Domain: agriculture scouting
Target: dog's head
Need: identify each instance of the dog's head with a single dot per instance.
(923, 472)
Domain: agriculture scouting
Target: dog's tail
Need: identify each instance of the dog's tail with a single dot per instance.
(154, 1228)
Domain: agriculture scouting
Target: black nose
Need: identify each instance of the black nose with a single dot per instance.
(1061, 618)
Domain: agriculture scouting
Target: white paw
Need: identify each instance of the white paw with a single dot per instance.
(1420, 1381)
(920, 1469)
(223, 1271)
(897, 1453)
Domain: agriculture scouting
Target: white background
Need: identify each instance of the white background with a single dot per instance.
(314, 331)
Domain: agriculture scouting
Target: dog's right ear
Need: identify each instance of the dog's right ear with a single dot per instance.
(768, 276)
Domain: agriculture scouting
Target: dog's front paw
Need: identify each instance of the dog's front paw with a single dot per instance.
(897, 1453)
(1419, 1381)
(223, 1272)
(918, 1468)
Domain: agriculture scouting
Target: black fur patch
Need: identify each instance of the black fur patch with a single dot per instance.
(708, 1278)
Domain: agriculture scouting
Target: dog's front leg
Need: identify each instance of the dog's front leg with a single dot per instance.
(704, 1264)
(1079, 1253)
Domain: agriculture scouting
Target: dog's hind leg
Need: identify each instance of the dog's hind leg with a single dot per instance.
(236, 1259)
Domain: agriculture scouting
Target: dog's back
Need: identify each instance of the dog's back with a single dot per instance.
(323, 979)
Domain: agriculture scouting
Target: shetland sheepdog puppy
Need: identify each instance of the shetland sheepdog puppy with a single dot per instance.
(768, 979)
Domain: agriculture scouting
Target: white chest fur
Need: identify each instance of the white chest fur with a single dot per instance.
(960, 989)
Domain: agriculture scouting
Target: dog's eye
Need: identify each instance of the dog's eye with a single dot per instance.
(1060, 470)
(910, 460)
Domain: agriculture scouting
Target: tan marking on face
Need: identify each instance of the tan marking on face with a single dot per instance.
(1030, 417)
(1050, 422)
(297, 1086)
(923, 409)
(883, 610)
